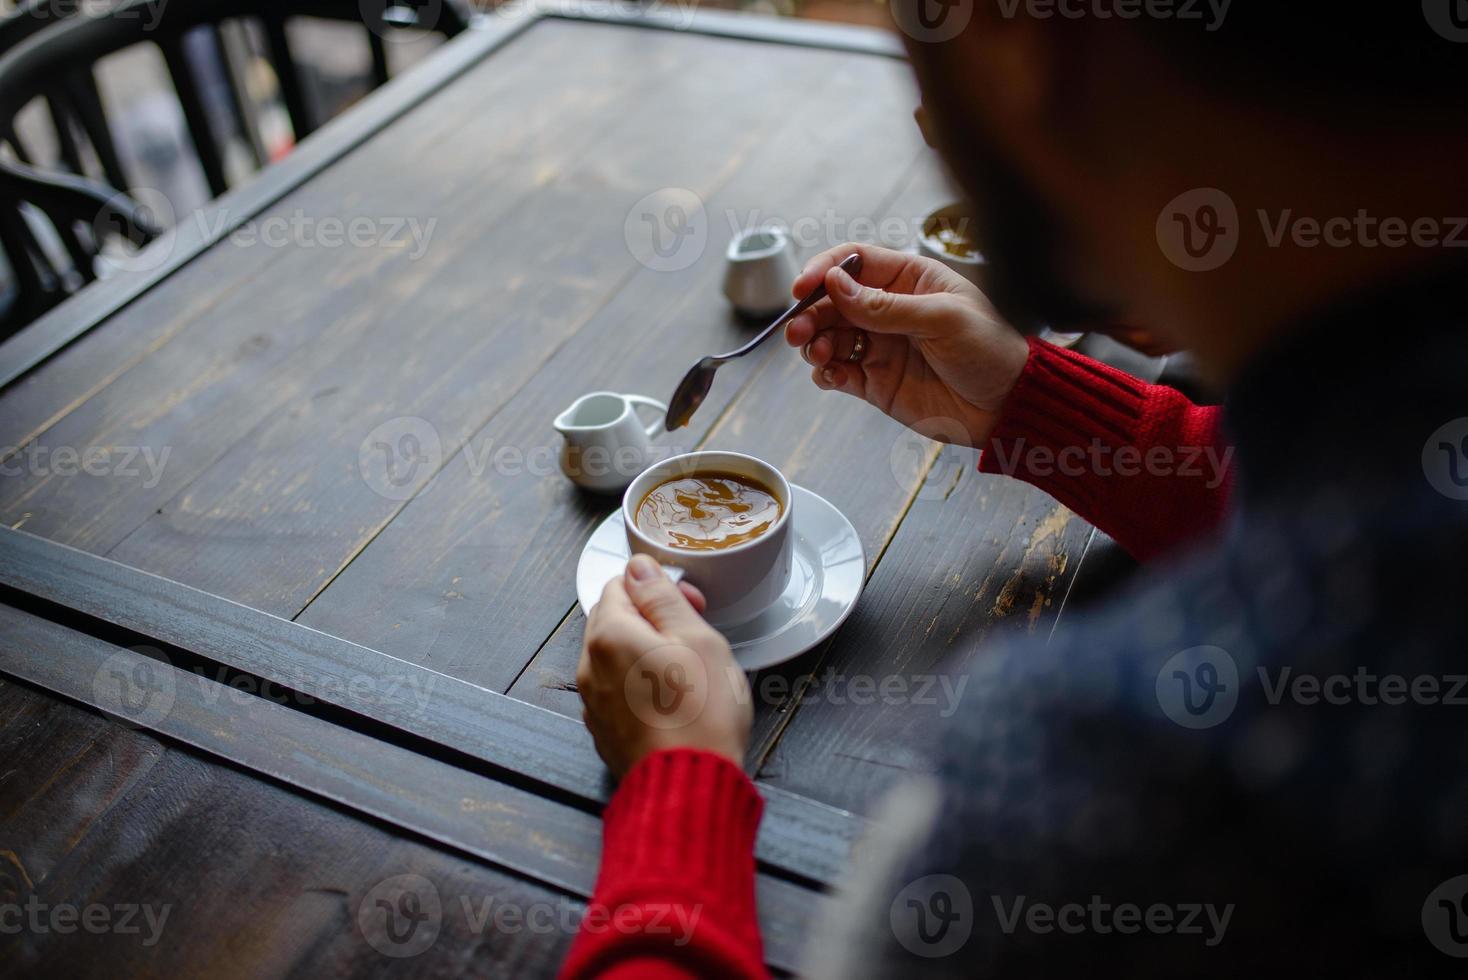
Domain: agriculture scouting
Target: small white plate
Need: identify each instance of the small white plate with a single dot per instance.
(825, 580)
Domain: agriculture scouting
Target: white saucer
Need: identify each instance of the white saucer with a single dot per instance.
(825, 580)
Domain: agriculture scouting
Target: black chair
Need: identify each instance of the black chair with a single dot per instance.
(49, 52)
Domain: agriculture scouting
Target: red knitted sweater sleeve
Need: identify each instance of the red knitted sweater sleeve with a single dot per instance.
(1139, 461)
(675, 897)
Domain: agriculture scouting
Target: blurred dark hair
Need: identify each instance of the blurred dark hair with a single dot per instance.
(1392, 52)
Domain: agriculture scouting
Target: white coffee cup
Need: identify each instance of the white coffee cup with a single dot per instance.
(739, 582)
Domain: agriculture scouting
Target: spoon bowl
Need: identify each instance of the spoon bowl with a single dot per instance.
(694, 387)
(691, 392)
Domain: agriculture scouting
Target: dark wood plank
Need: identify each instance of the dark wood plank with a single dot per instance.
(272, 521)
(535, 748)
(511, 829)
(255, 881)
(63, 770)
(514, 829)
(864, 463)
(315, 664)
(471, 577)
(1105, 569)
(312, 308)
(979, 559)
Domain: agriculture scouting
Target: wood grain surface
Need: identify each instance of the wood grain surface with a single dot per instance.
(92, 814)
(474, 574)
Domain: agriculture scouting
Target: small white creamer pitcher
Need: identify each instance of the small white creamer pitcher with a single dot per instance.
(607, 445)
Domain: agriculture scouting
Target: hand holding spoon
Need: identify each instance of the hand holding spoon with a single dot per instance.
(695, 385)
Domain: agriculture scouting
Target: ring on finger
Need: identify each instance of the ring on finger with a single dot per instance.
(858, 347)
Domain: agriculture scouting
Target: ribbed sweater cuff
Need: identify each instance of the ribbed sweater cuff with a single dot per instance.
(1063, 399)
(684, 816)
(1139, 461)
(675, 897)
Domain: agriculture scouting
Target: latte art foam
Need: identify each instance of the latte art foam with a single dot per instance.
(707, 512)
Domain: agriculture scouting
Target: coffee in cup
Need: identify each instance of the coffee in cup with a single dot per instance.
(707, 511)
(722, 518)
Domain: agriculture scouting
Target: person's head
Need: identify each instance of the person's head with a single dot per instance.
(1211, 169)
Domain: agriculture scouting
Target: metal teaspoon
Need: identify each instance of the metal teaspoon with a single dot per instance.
(694, 387)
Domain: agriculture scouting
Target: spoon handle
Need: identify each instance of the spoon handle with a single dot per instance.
(851, 265)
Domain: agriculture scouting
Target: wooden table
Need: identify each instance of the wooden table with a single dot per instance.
(262, 675)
